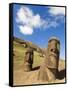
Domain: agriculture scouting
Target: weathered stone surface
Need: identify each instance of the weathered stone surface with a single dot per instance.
(28, 60)
(49, 69)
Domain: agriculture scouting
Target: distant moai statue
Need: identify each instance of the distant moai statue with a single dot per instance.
(28, 60)
(49, 68)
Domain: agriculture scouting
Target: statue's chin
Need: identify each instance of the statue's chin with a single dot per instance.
(53, 60)
(53, 57)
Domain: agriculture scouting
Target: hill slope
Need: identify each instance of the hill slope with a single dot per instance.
(23, 78)
(26, 44)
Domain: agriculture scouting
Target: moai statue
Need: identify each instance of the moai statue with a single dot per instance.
(49, 68)
(28, 60)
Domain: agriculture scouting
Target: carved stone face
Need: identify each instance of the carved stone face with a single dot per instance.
(53, 53)
(54, 48)
(49, 68)
(29, 56)
(28, 60)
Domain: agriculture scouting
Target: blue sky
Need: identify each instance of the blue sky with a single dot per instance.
(38, 23)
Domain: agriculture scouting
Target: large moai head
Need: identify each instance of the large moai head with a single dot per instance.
(28, 61)
(49, 69)
(53, 52)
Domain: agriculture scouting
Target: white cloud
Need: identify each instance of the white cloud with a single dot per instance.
(28, 21)
(50, 24)
(26, 30)
(57, 10)
(58, 13)
(26, 17)
(36, 21)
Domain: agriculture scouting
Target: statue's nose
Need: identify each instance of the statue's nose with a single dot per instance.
(53, 50)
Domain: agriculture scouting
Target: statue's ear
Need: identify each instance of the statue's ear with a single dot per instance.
(58, 46)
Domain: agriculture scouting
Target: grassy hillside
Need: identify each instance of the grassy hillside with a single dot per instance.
(19, 50)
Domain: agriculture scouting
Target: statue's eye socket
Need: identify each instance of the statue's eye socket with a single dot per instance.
(51, 50)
